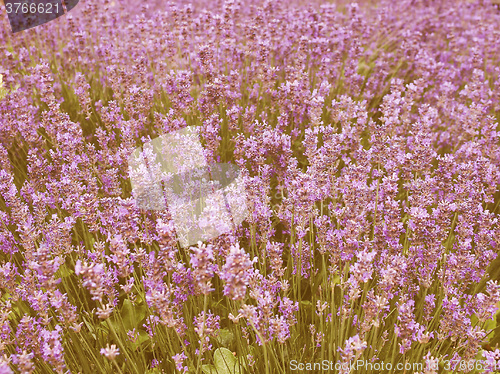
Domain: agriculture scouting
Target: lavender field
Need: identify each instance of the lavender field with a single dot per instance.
(367, 139)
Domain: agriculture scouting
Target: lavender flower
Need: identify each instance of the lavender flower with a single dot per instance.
(236, 272)
(110, 352)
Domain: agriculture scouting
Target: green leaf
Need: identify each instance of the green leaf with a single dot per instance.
(490, 324)
(132, 315)
(226, 362)
(209, 369)
(225, 337)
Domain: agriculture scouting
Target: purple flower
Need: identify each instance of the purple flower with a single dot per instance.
(236, 272)
(110, 352)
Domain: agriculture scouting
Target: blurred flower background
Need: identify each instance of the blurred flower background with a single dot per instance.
(367, 136)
